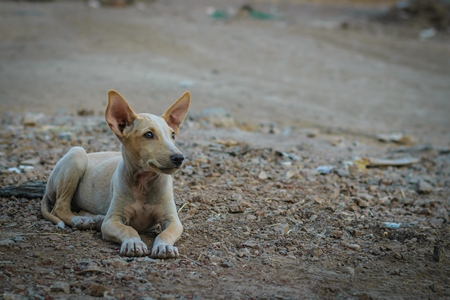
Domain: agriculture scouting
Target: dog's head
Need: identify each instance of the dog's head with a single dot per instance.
(148, 140)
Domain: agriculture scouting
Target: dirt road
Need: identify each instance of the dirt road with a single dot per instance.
(294, 71)
(260, 222)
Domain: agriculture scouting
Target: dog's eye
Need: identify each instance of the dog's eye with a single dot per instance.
(148, 135)
(173, 135)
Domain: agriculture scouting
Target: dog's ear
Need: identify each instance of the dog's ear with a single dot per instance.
(176, 113)
(118, 114)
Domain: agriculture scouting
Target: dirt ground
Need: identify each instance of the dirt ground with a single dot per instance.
(307, 85)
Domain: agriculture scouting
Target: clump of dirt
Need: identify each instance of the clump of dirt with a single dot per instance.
(260, 221)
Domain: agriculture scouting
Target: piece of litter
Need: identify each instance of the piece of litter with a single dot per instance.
(14, 170)
(392, 225)
(363, 162)
(397, 137)
(398, 162)
(324, 170)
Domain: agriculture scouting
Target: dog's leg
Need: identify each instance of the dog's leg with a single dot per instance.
(98, 219)
(171, 231)
(113, 229)
(63, 183)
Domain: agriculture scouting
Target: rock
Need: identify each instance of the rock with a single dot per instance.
(31, 119)
(262, 175)
(424, 187)
(226, 264)
(31, 162)
(65, 136)
(60, 286)
(251, 244)
(349, 270)
(361, 203)
(437, 223)
(315, 252)
(7, 242)
(324, 170)
(395, 272)
(116, 263)
(436, 287)
(438, 253)
(98, 290)
(355, 247)
(10, 296)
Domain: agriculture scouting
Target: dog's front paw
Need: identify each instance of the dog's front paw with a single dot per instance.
(164, 250)
(83, 222)
(133, 247)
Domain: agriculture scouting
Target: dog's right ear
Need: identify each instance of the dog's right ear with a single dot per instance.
(118, 114)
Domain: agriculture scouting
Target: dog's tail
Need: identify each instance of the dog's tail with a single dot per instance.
(45, 209)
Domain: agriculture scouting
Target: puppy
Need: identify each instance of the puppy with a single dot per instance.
(123, 193)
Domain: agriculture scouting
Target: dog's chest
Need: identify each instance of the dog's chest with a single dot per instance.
(142, 215)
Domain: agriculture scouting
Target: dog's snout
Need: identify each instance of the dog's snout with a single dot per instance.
(177, 159)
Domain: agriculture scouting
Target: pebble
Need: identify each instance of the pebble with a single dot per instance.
(31, 119)
(436, 287)
(355, 247)
(262, 175)
(437, 223)
(438, 253)
(324, 170)
(7, 242)
(10, 296)
(395, 272)
(116, 263)
(97, 290)
(424, 187)
(65, 136)
(315, 252)
(60, 286)
(349, 270)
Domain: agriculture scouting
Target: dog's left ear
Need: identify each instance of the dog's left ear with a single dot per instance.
(176, 113)
(118, 114)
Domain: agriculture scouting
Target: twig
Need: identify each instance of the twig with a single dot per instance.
(44, 233)
(182, 206)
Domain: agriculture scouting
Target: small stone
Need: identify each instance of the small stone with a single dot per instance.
(6, 242)
(355, 247)
(315, 252)
(262, 175)
(436, 287)
(251, 244)
(395, 272)
(361, 203)
(438, 254)
(116, 263)
(65, 136)
(10, 296)
(31, 162)
(31, 119)
(97, 290)
(349, 270)
(60, 286)
(226, 264)
(424, 187)
(437, 223)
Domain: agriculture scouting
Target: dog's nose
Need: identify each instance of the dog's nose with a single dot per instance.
(177, 159)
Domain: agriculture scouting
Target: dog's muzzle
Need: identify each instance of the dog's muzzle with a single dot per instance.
(177, 159)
